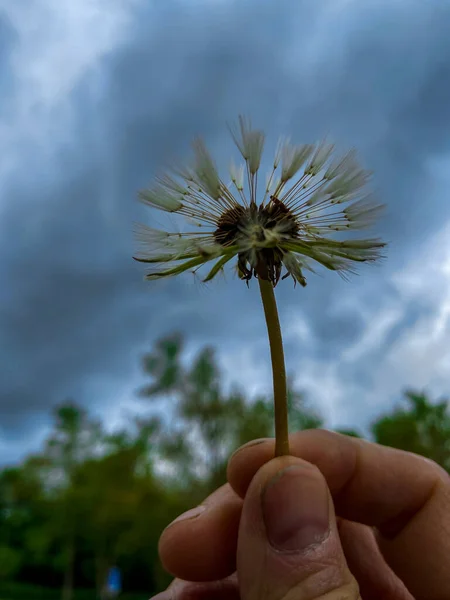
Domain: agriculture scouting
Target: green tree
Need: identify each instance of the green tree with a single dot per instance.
(20, 496)
(75, 438)
(124, 505)
(208, 423)
(26, 515)
(421, 426)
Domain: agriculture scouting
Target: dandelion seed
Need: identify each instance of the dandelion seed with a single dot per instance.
(250, 144)
(293, 158)
(237, 176)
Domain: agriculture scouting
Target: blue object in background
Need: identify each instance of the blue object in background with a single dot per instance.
(114, 581)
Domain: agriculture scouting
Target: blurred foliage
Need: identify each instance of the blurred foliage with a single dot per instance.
(210, 422)
(91, 499)
(420, 426)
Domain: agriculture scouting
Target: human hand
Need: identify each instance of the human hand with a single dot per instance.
(390, 539)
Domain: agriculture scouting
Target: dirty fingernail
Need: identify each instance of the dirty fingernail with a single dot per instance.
(295, 509)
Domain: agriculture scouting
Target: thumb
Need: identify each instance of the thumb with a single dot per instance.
(288, 545)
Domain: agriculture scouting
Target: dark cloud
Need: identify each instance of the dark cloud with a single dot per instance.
(8, 43)
(75, 310)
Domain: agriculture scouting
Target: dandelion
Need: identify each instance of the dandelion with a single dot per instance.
(309, 196)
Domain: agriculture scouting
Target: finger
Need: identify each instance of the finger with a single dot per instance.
(288, 544)
(405, 496)
(226, 589)
(375, 578)
(201, 544)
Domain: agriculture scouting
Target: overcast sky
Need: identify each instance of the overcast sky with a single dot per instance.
(97, 94)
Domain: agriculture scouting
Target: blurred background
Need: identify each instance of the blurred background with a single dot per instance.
(121, 400)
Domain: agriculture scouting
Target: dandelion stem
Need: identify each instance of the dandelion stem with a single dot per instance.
(278, 367)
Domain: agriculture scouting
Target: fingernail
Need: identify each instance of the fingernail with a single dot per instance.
(250, 444)
(189, 514)
(295, 509)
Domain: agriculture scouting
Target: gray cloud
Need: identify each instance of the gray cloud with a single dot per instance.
(75, 310)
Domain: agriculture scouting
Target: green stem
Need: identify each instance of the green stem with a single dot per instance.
(278, 367)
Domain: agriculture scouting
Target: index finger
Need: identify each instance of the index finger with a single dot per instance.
(404, 495)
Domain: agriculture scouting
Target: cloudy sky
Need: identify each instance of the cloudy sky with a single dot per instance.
(96, 95)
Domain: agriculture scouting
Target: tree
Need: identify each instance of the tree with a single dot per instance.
(75, 438)
(422, 427)
(25, 514)
(208, 423)
(18, 492)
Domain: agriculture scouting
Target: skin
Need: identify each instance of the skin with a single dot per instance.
(389, 527)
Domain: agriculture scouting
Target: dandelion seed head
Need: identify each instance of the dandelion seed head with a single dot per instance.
(312, 197)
